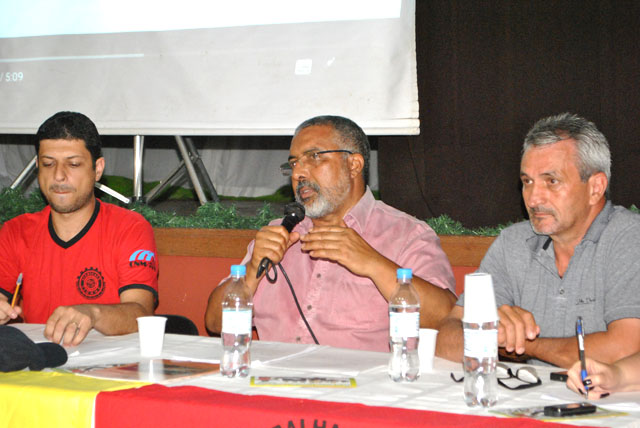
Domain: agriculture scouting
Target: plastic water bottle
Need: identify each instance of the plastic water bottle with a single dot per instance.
(404, 329)
(480, 324)
(480, 358)
(237, 311)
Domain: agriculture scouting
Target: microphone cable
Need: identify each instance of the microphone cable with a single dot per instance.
(293, 293)
(293, 214)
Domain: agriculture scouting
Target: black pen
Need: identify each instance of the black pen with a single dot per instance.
(583, 364)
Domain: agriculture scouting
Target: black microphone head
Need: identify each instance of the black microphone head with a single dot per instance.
(293, 214)
(17, 352)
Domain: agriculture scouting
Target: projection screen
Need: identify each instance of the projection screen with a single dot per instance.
(206, 67)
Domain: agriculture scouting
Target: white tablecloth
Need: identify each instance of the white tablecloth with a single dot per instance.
(432, 391)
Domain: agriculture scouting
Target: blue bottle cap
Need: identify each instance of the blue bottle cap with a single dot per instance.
(238, 270)
(404, 273)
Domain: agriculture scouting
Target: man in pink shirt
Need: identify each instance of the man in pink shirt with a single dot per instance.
(342, 258)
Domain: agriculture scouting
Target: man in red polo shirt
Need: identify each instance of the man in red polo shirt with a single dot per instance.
(85, 263)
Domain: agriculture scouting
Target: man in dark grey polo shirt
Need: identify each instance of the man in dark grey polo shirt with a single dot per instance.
(578, 255)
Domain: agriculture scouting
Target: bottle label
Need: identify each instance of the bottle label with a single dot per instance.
(236, 322)
(404, 324)
(480, 343)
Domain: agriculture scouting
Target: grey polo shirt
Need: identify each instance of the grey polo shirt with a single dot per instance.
(601, 283)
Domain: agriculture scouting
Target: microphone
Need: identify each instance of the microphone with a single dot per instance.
(17, 352)
(293, 214)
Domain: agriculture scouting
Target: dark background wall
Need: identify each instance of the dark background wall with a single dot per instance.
(487, 70)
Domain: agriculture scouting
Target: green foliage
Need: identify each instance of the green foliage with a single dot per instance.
(211, 215)
(14, 203)
(445, 225)
(634, 209)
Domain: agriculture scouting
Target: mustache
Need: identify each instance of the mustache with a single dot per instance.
(541, 210)
(309, 184)
(61, 188)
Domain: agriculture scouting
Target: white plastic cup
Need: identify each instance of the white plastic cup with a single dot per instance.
(151, 332)
(479, 299)
(427, 348)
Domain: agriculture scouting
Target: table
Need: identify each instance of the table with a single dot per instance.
(213, 400)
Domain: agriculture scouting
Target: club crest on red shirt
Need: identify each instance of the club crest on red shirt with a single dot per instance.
(91, 283)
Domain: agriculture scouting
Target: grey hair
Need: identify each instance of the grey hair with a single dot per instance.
(351, 136)
(592, 148)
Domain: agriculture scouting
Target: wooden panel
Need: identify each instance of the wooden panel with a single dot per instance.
(458, 274)
(186, 282)
(227, 243)
(465, 250)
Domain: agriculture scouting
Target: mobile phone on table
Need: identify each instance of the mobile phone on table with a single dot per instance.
(559, 376)
(569, 409)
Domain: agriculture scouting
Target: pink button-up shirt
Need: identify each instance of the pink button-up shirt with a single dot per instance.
(343, 309)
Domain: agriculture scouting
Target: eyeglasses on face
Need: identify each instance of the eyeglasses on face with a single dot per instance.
(311, 158)
(528, 375)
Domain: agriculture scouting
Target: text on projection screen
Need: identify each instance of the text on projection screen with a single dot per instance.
(202, 67)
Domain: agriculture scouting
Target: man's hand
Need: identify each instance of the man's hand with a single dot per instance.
(343, 245)
(7, 313)
(72, 323)
(271, 242)
(75, 322)
(516, 327)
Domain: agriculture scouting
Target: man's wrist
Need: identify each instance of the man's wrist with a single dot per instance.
(531, 348)
(95, 312)
(513, 357)
(250, 279)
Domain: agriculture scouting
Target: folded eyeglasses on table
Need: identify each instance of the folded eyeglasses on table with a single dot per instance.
(526, 374)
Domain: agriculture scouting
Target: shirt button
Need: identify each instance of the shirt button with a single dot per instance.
(561, 291)
(318, 276)
(298, 339)
(309, 307)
